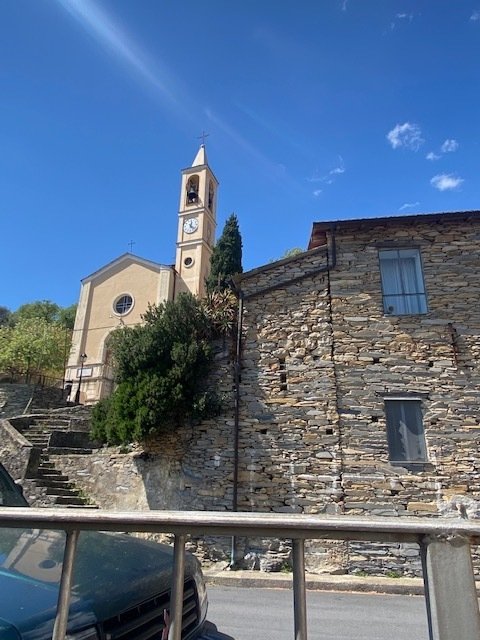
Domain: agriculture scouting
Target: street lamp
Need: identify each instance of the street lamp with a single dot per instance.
(83, 357)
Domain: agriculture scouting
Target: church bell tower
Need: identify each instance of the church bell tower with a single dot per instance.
(196, 225)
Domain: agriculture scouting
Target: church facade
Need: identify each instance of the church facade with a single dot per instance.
(119, 293)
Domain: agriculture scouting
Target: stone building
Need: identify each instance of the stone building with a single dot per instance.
(360, 376)
(119, 293)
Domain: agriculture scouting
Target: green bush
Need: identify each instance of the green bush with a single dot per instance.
(162, 369)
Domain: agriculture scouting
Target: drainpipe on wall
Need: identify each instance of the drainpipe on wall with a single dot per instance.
(237, 367)
(332, 251)
(332, 248)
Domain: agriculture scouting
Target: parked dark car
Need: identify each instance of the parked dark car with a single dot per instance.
(121, 585)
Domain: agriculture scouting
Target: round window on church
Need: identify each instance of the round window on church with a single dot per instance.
(188, 262)
(123, 304)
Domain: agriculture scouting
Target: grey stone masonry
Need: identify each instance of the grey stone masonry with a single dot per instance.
(320, 356)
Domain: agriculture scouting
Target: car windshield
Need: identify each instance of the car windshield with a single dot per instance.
(10, 494)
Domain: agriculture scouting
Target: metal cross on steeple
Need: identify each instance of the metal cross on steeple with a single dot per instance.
(130, 244)
(203, 136)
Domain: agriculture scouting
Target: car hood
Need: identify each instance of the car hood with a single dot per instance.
(112, 573)
(7, 632)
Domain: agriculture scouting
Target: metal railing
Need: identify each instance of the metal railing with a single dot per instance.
(450, 593)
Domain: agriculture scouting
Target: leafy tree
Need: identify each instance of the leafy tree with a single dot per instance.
(295, 251)
(32, 345)
(226, 258)
(41, 309)
(66, 316)
(291, 252)
(5, 316)
(36, 338)
(161, 371)
(221, 309)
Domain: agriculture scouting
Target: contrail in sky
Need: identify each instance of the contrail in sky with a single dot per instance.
(102, 27)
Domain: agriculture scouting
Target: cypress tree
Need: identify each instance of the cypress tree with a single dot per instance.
(226, 258)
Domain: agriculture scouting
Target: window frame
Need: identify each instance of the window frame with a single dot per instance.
(394, 437)
(117, 300)
(405, 296)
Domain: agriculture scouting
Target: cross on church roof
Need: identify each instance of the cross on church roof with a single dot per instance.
(130, 244)
(203, 136)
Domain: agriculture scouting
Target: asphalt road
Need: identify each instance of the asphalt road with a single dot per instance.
(267, 614)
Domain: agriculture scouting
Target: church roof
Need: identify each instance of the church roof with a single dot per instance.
(126, 258)
(201, 157)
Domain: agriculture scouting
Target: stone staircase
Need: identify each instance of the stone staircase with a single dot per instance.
(55, 486)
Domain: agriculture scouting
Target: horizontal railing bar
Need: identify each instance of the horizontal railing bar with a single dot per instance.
(301, 526)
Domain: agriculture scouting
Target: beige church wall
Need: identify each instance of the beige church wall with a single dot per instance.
(136, 280)
(80, 320)
(193, 278)
(96, 318)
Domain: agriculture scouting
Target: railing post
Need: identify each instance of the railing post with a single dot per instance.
(299, 593)
(63, 604)
(451, 598)
(176, 598)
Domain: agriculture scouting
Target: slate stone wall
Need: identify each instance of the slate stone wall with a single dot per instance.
(321, 355)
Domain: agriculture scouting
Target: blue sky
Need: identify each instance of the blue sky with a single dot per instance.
(316, 110)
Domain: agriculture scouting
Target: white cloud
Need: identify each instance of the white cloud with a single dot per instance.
(317, 192)
(344, 5)
(446, 181)
(432, 156)
(475, 17)
(409, 205)
(329, 177)
(404, 16)
(449, 146)
(406, 135)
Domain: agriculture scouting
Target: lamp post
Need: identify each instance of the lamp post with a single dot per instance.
(83, 357)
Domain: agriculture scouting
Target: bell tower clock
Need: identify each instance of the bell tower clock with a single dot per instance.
(196, 225)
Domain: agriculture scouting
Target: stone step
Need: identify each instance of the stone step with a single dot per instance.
(51, 474)
(70, 500)
(49, 426)
(45, 463)
(54, 484)
(69, 450)
(63, 492)
(39, 441)
(41, 432)
(81, 506)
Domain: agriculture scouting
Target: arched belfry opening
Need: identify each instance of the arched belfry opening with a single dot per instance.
(192, 189)
(211, 195)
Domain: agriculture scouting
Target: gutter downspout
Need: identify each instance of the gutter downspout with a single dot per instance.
(236, 433)
(333, 245)
(237, 368)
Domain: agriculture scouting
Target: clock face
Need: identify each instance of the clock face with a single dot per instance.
(190, 225)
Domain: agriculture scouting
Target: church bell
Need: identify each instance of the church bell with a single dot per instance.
(192, 194)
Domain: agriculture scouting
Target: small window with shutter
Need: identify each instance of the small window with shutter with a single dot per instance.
(406, 438)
